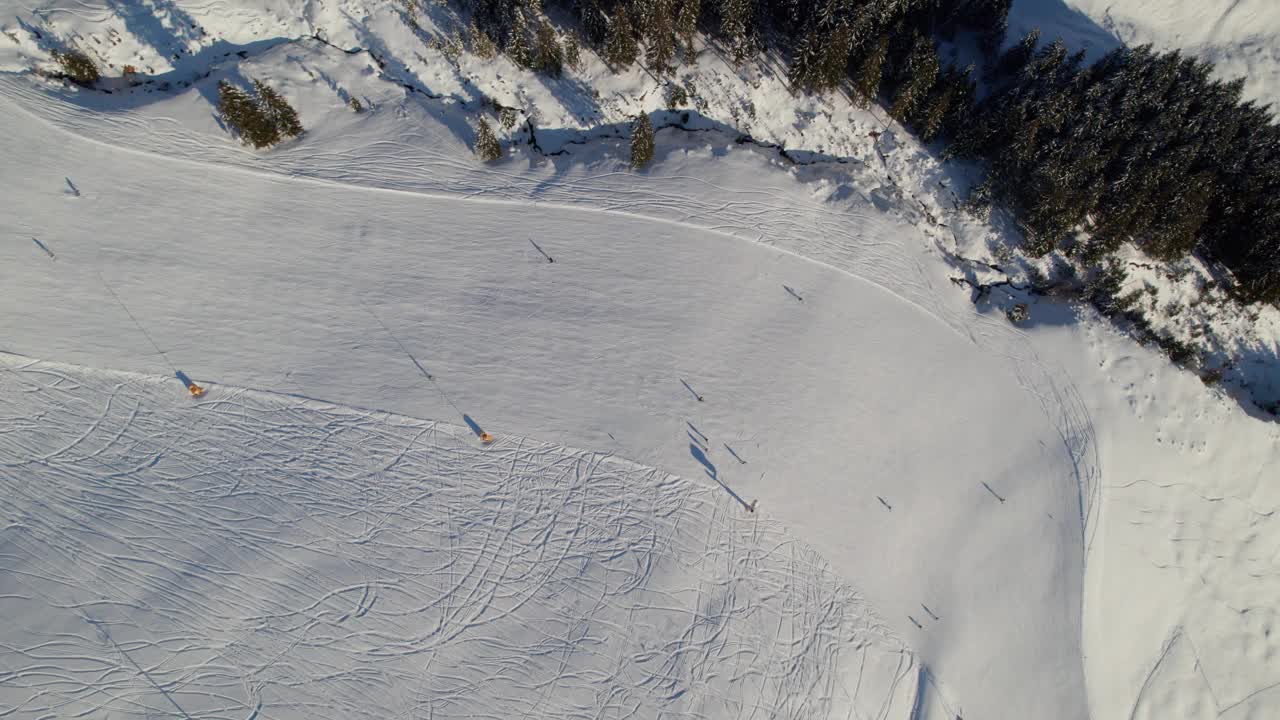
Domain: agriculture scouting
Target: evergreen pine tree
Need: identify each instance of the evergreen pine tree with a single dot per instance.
(278, 110)
(487, 146)
(641, 141)
(595, 24)
(687, 22)
(835, 57)
(931, 115)
(1175, 231)
(735, 28)
(867, 84)
(77, 65)
(804, 73)
(960, 112)
(518, 41)
(993, 39)
(990, 18)
(1016, 57)
(918, 76)
(233, 103)
(573, 51)
(790, 16)
(241, 112)
(481, 44)
(621, 50)
(660, 53)
(659, 30)
(548, 55)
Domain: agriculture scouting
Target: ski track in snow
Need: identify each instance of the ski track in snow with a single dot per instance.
(257, 555)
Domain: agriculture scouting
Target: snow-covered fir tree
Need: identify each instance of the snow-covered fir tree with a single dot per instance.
(487, 146)
(641, 141)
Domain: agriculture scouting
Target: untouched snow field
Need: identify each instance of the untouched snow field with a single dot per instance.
(956, 517)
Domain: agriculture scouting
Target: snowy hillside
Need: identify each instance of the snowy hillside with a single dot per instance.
(956, 516)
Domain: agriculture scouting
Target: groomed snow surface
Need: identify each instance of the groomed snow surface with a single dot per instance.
(955, 517)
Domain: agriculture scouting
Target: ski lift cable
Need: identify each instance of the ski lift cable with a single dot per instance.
(431, 378)
(137, 324)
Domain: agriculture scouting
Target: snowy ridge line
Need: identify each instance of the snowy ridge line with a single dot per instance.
(251, 553)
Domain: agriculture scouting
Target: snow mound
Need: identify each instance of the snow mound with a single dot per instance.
(253, 554)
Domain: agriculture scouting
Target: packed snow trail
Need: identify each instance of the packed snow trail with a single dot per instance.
(257, 280)
(259, 555)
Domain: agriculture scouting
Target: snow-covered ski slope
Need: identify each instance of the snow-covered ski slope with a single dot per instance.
(262, 555)
(1122, 563)
(815, 407)
(1240, 37)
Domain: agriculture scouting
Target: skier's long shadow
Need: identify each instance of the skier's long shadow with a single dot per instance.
(183, 378)
(710, 468)
(475, 427)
